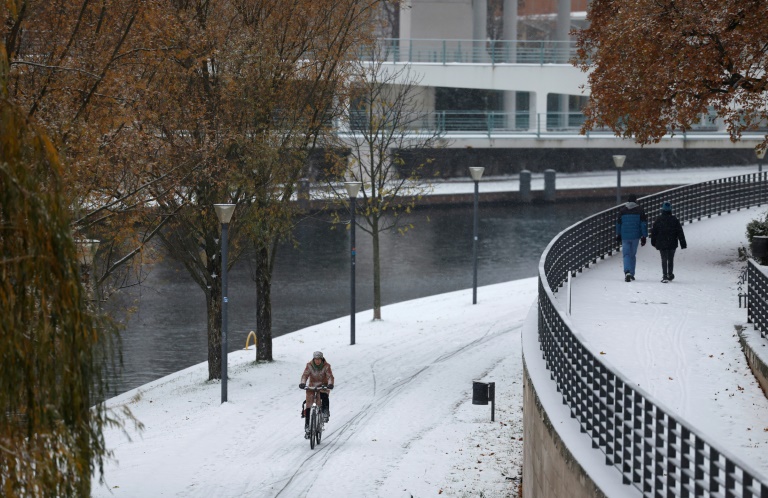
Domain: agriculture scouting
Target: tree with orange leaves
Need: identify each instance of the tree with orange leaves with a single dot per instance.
(658, 66)
(53, 348)
(86, 72)
(263, 80)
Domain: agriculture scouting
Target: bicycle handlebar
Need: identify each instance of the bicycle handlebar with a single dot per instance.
(316, 388)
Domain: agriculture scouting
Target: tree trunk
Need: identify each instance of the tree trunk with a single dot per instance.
(376, 271)
(213, 304)
(263, 305)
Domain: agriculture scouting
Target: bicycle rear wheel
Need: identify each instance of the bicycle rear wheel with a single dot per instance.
(319, 426)
(312, 428)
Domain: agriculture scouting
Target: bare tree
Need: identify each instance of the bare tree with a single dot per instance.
(386, 122)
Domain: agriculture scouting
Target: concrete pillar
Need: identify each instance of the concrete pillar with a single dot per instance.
(549, 185)
(525, 185)
(405, 29)
(510, 109)
(563, 27)
(510, 29)
(563, 21)
(538, 111)
(510, 56)
(359, 165)
(480, 29)
(562, 110)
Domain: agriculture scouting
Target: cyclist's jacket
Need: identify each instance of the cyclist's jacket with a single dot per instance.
(315, 375)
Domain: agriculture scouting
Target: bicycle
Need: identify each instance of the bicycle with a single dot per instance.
(316, 419)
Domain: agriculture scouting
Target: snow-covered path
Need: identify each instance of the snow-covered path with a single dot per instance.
(678, 340)
(402, 422)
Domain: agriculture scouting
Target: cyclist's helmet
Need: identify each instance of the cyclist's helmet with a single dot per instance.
(317, 354)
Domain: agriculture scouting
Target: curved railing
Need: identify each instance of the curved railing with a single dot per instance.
(637, 434)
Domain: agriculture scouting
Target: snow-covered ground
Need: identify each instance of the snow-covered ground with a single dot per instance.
(402, 423)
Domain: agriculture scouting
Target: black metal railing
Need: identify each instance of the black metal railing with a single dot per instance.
(653, 450)
(757, 298)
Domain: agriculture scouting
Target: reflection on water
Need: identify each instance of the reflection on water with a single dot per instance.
(311, 283)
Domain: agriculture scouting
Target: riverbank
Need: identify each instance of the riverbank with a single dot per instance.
(568, 187)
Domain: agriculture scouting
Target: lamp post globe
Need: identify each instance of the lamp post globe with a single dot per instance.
(760, 153)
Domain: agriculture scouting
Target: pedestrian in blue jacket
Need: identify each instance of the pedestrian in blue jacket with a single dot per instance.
(631, 231)
(665, 234)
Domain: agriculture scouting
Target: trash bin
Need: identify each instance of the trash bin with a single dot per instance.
(760, 248)
(479, 393)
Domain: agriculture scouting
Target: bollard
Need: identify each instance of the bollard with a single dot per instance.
(549, 185)
(525, 185)
(482, 392)
(255, 343)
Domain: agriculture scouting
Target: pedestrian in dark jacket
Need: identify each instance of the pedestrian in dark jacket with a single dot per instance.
(665, 234)
(631, 231)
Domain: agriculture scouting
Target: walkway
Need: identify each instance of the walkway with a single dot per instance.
(630, 177)
(678, 340)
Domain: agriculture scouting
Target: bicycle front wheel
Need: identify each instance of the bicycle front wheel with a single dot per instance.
(312, 428)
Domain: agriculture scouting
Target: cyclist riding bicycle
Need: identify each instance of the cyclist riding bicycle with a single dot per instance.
(317, 373)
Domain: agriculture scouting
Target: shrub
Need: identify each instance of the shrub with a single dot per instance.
(757, 227)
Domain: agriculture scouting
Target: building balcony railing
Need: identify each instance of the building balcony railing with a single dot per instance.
(496, 123)
(437, 51)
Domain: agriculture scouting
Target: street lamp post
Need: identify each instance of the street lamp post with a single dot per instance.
(224, 213)
(352, 189)
(619, 162)
(760, 153)
(476, 173)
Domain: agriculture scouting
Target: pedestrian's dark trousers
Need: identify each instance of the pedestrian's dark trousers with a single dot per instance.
(667, 261)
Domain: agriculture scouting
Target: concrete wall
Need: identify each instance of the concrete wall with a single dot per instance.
(549, 468)
(558, 460)
(441, 19)
(453, 162)
(755, 350)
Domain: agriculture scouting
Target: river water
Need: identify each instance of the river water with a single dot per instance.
(311, 282)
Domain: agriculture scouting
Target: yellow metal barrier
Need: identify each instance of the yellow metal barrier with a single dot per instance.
(255, 342)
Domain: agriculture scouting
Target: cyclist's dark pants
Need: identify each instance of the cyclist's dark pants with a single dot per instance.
(325, 400)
